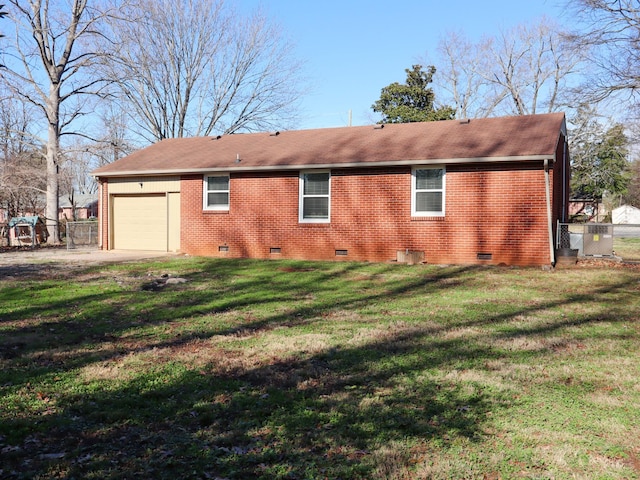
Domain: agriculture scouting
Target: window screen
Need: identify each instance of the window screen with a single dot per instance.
(314, 193)
(216, 192)
(428, 191)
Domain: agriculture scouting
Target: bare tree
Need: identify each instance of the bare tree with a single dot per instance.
(22, 183)
(78, 160)
(461, 74)
(520, 71)
(81, 156)
(22, 177)
(196, 67)
(52, 65)
(116, 140)
(610, 32)
(3, 14)
(540, 62)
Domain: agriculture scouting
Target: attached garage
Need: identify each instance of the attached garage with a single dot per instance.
(145, 215)
(139, 222)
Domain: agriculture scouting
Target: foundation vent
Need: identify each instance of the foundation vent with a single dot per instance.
(342, 253)
(410, 257)
(275, 250)
(484, 256)
(223, 248)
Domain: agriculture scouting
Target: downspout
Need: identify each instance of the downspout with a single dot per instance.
(564, 182)
(549, 218)
(100, 215)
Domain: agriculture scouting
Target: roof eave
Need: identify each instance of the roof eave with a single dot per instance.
(235, 168)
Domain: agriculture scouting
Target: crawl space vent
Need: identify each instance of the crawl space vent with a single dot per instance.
(410, 257)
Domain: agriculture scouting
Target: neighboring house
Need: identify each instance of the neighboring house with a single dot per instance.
(84, 205)
(626, 214)
(586, 210)
(483, 191)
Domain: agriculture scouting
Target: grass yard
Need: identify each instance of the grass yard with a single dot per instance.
(300, 370)
(627, 248)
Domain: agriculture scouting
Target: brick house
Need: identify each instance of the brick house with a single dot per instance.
(487, 191)
(78, 207)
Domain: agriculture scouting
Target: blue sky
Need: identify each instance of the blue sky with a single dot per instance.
(354, 48)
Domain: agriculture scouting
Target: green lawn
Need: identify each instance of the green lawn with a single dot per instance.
(627, 248)
(301, 370)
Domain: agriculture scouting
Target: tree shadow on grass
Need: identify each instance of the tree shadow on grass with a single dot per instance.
(324, 415)
(333, 413)
(83, 320)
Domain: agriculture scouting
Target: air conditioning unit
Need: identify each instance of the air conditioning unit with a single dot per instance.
(598, 240)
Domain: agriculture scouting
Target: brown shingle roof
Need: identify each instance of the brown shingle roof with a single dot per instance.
(503, 138)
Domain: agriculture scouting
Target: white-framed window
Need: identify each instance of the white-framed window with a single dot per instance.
(216, 192)
(315, 196)
(428, 191)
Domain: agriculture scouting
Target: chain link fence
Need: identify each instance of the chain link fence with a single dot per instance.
(82, 234)
(601, 240)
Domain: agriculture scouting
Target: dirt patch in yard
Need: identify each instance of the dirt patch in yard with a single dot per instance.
(596, 262)
(49, 262)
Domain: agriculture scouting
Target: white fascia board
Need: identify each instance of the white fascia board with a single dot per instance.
(440, 161)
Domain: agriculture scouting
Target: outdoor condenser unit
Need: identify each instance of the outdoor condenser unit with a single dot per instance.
(598, 240)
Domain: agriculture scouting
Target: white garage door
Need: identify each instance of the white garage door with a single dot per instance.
(139, 222)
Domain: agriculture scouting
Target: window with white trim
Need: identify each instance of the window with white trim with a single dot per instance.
(315, 196)
(428, 192)
(216, 192)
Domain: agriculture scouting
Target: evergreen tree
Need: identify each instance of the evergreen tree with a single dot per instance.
(412, 101)
(632, 197)
(600, 165)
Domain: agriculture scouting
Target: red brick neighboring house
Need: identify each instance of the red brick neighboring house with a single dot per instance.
(486, 191)
(84, 206)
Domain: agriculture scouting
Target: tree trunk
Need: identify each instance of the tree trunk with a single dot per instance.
(53, 147)
(48, 55)
(51, 211)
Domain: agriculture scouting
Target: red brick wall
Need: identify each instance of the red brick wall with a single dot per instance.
(81, 213)
(492, 208)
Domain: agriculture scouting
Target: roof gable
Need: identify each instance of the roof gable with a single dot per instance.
(503, 138)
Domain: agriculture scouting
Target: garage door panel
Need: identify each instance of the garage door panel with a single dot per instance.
(140, 222)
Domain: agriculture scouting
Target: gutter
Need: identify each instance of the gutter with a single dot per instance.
(273, 168)
(100, 215)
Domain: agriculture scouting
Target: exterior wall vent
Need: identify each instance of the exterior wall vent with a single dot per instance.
(410, 257)
(485, 256)
(223, 248)
(342, 253)
(275, 250)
